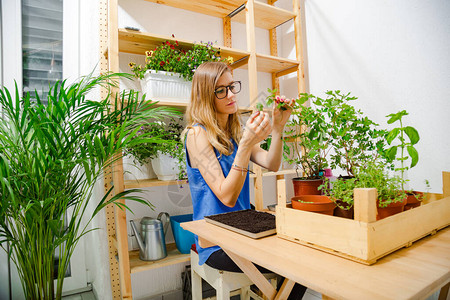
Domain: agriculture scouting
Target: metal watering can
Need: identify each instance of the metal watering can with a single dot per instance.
(151, 241)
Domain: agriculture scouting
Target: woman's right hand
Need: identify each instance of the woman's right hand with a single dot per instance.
(257, 128)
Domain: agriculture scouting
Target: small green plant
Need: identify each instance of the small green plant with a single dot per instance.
(401, 133)
(374, 175)
(166, 140)
(170, 57)
(340, 191)
(308, 139)
(354, 137)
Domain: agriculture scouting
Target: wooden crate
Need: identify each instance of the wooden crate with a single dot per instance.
(363, 239)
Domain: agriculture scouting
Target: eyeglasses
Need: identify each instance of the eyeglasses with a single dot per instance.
(222, 92)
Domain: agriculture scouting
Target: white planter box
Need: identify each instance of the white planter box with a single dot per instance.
(166, 87)
(134, 171)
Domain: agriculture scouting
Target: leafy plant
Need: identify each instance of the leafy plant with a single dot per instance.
(308, 138)
(401, 133)
(374, 175)
(167, 140)
(340, 191)
(51, 156)
(170, 57)
(281, 101)
(354, 137)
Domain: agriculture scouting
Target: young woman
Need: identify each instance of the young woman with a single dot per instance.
(218, 150)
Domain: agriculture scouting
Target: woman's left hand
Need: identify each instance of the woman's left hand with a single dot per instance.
(281, 115)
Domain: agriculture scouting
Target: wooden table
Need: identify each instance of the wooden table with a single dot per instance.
(410, 273)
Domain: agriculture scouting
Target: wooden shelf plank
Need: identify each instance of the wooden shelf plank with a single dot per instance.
(182, 106)
(281, 172)
(138, 42)
(144, 183)
(266, 16)
(216, 8)
(273, 64)
(173, 257)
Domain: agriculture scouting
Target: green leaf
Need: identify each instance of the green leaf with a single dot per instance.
(413, 154)
(391, 153)
(413, 134)
(396, 116)
(259, 106)
(392, 135)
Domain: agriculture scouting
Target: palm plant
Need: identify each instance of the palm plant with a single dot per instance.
(51, 156)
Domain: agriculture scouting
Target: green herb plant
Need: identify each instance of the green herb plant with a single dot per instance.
(340, 191)
(400, 133)
(308, 138)
(354, 137)
(375, 175)
(167, 140)
(171, 57)
(51, 155)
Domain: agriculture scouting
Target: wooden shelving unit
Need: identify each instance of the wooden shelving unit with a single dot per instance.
(137, 42)
(115, 40)
(173, 257)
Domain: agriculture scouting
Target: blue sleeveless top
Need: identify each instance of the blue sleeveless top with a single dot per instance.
(204, 201)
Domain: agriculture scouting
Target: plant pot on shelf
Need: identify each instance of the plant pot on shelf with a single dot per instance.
(391, 209)
(136, 171)
(314, 203)
(343, 210)
(165, 167)
(413, 200)
(166, 86)
(304, 186)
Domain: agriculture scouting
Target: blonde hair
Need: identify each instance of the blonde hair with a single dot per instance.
(202, 109)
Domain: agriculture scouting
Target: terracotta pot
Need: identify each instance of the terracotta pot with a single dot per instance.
(304, 186)
(316, 203)
(344, 212)
(391, 209)
(412, 200)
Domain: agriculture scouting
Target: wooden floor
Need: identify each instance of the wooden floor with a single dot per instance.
(81, 296)
(309, 295)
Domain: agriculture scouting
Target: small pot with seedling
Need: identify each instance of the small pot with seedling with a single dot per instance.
(391, 198)
(341, 193)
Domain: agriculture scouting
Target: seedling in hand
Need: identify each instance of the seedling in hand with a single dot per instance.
(281, 102)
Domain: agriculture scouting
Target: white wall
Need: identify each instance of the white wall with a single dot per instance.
(393, 55)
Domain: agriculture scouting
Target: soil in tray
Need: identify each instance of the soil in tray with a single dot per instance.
(248, 220)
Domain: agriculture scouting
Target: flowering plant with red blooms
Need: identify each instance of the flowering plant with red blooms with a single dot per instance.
(171, 58)
(281, 102)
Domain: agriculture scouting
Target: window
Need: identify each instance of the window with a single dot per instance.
(42, 48)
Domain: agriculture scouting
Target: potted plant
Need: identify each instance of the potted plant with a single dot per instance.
(165, 152)
(391, 198)
(308, 145)
(314, 203)
(354, 137)
(400, 134)
(169, 68)
(340, 192)
(51, 157)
